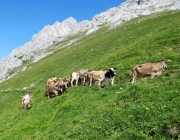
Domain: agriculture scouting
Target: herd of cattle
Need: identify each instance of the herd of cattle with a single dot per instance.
(84, 77)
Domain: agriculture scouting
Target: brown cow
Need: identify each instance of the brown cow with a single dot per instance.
(52, 88)
(67, 82)
(49, 81)
(152, 69)
(63, 84)
(83, 76)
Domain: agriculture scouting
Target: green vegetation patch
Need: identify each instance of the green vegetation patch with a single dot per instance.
(147, 109)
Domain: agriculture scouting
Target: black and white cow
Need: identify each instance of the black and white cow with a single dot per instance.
(109, 76)
(101, 76)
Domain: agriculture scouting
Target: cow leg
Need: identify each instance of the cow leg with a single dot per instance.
(56, 92)
(133, 79)
(153, 75)
(72, 82)
(76, 82)
(60, 92)
(107, 81)
(49, 95)
(82, 80)
(65, 85)
(90, 82)
(112, 81)
(99, 84)
(29, 105)
(134, 75)
(25, 106)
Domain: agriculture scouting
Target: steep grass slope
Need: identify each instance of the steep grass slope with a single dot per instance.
(147, 109)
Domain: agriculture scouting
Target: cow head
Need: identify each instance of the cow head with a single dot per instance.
(164, 62)
(167, 61)
(114, 70)
(111, 72)
(67, 82)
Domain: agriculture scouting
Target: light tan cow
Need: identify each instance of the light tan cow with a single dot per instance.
(101, 76)
(97, 76)
(152, 69)
(83, 76)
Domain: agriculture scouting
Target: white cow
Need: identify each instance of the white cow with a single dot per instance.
(26, 100)
(74, 77)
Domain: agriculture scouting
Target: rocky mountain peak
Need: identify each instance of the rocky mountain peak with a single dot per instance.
(57, 32)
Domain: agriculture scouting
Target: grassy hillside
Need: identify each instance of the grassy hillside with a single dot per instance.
(147, 109)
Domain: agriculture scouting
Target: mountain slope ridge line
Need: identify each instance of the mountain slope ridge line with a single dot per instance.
(58, 32)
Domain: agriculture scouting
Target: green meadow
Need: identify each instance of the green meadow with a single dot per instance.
(148, 109)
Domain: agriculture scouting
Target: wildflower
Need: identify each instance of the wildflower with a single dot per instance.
(147, 108)
(120, 88)
(164, 107)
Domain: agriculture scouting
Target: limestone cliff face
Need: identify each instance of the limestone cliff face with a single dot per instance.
(36, 48)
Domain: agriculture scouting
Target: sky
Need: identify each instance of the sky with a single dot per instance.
(21, 19)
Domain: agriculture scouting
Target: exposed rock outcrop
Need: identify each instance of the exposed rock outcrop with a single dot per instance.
(35, 49)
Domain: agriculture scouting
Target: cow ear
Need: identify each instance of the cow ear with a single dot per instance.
(167, 61)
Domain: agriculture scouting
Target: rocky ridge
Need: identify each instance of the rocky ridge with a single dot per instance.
(59, 31)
